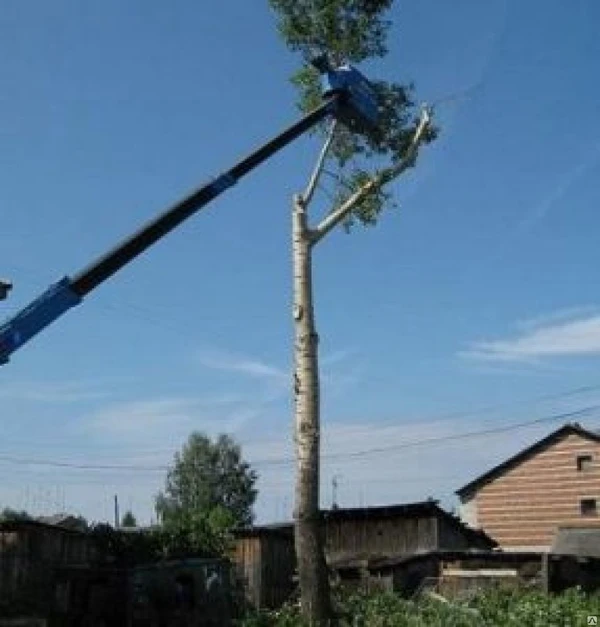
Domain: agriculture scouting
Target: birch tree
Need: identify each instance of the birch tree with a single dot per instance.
(356, 170)
(209, 478)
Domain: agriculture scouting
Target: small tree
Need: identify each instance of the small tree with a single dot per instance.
(128, 519)
(9, 514)
(210, 479)
(357, 167)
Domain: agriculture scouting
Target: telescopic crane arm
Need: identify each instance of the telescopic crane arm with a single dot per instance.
(348, 96)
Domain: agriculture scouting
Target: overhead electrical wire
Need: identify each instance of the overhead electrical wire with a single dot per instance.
(492, 431)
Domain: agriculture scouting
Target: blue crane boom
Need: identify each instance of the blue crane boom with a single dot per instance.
(348, 96)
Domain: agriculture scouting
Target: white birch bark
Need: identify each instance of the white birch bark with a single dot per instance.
(312, 570)
(309, 540)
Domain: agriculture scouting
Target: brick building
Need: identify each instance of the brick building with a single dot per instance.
(552, 483)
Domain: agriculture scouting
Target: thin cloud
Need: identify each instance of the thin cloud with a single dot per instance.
(58, 392)
(336, 376)
(257, 368)
(540, 211)
(336, 357)
(571, 338)
(144, 419)
(163, 423)
(229, 362)
(560, 315)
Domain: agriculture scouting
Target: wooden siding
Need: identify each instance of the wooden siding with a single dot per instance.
(247, 559)
(265, 556)
(265, 564)
(45, 544)
(379, 536)
(451, 537)
(278, 566)
(524, 506)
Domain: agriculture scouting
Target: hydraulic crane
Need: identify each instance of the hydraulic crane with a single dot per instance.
(348, 96)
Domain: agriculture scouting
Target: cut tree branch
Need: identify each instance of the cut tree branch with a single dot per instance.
(314, 179)
(378, 181)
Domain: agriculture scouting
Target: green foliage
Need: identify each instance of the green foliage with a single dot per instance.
(123, 548)
(193, 534)
(534, 609)
(79, 523)
(198, 533)
(9, 514)
(351, 31)
(493, 608)
(128, 519)
(348, 30)
(208, 482)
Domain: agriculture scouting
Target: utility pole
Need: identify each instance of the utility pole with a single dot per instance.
(116, 511)
(334, 487)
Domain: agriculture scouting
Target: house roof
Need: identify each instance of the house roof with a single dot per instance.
(19, 525)
(429, 507)
(407, 510)
(536, 447)
(420, 508)
(276, 529)
(68, 521)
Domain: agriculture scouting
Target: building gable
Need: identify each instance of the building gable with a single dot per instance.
(467, 491)
(522, 502)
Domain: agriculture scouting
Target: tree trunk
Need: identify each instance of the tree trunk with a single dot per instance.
(312, 569)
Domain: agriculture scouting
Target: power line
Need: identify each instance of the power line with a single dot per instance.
(487, 409)
(473, 434)
(62, 464)
(350, 455)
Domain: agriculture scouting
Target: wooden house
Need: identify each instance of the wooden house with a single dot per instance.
(265, 557)
(522, 501)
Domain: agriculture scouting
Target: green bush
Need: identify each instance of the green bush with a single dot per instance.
(492, 608)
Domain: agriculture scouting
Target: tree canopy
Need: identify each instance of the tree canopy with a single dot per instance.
(209, 479)
(9, 514)
(128, 519)
(351, 31)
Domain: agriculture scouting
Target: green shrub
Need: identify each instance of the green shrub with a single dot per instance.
(493, 608)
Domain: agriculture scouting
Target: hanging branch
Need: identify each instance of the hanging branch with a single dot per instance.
(378, 181)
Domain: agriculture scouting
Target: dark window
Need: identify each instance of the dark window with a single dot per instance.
(588, 507)
(584, 462)
(184, 585)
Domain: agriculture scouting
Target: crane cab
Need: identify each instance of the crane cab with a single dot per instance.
(358, 110)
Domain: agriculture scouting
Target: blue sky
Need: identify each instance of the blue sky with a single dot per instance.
(474, 306)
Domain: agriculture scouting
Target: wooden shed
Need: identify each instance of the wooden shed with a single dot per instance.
(397, 530)
(265, 557)
(265, 564)
(31, 553)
